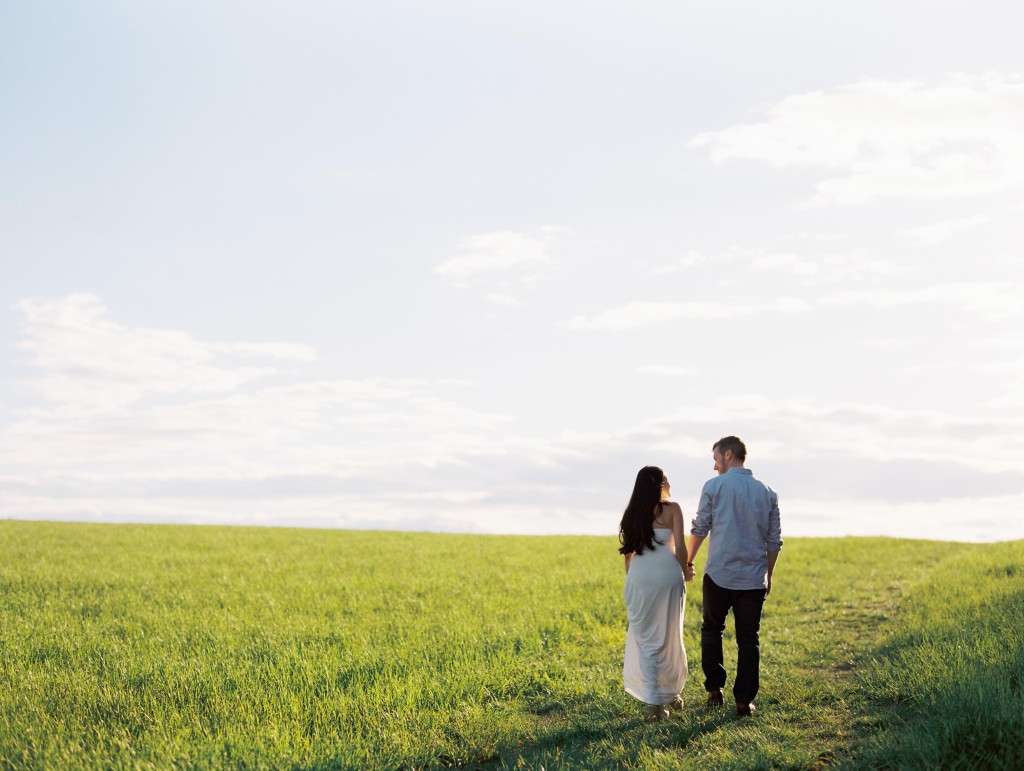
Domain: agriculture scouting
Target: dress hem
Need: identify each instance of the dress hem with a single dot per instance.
(667, 699)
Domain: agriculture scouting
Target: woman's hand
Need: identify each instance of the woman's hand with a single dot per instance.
(688, 572)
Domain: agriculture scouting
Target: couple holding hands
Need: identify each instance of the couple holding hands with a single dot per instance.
(739, 516)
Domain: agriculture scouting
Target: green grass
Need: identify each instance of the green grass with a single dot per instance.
(127, 646)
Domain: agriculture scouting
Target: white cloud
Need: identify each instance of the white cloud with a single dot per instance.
(811, 267)
(501, 266)
(861, 266)
(370, 425)
(991, 300)
(445, 511)
(499, 298)
(406, 453)
(752, 258)
(937, 232)
(786, 261)
(490, 253)
(1007, 367)
(644, 313)
(91, 362)
(959, 137)
(692, 259)
(667, 370)
(131, 397)
(803, 430)
(954, 519)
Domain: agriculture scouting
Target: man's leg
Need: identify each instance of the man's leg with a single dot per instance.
(716, 608)
(746, 610)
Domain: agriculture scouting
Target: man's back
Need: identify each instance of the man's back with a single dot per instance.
(741, 515)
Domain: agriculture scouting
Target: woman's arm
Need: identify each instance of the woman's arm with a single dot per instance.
(629, 558)
(679, 535)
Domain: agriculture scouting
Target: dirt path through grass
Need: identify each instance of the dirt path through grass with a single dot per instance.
(834, 602)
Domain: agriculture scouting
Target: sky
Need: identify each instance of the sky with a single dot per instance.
(467, 267)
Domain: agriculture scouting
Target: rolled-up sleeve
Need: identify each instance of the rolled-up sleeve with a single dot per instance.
(774, 541)
(701, 523)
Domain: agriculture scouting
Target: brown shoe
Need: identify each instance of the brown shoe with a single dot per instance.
(715, 698)
(675, 705)
(745, 710)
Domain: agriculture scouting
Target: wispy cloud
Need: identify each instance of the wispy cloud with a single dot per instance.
(90, 361)
(964, 518)
(692, 259)
(937, 232)
(992, 300)
(489, 254)
(810, 267)
(734, 255)
(794, 432)
(502, 264)
(115, 395)
(408, 453)
(644, 313)
(666, 370)
(788, 262)
(877, 138)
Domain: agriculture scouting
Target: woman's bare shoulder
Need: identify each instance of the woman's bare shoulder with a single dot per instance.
(677, 512)
(669, 511)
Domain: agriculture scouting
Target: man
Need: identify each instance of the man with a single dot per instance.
(741, 515)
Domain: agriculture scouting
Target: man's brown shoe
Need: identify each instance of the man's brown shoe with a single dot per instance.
(715, 698)
(744, 710)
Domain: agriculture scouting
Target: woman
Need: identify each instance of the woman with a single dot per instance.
(653, 542)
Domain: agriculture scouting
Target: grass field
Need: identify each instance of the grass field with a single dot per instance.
(127, 646)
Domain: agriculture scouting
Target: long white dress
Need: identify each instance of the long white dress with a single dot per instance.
(655, 665)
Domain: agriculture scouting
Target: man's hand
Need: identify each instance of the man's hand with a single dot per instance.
(688, 572)
(768, 588)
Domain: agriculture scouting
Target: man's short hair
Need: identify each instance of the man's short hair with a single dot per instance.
(734, 443)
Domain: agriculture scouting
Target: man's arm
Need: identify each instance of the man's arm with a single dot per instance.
(774, 539)
(773, 557)
(691, 551)
(699, 527)
(693, 547)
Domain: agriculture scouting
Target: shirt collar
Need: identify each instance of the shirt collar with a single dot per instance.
(738, 470)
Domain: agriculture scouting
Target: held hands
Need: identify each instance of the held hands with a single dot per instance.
(688, 571)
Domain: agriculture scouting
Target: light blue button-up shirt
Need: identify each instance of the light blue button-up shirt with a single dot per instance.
(742, 517)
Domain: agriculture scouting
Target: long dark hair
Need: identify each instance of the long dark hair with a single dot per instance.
(636, 530)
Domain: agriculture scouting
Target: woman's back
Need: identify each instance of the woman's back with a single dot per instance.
(669, 518)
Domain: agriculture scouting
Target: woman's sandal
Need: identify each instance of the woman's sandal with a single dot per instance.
(656, 712)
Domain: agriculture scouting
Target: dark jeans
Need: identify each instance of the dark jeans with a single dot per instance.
(746, 611)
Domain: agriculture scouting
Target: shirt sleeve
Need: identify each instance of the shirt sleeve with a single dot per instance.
(774, 524)
(701, 523)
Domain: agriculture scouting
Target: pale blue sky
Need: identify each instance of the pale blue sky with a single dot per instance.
(468, 266)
